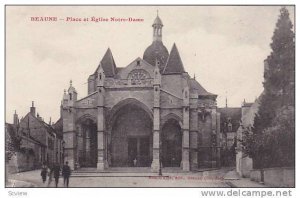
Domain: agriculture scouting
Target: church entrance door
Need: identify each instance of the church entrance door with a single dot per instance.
(131, 137)
(171, 144)
(138, 151)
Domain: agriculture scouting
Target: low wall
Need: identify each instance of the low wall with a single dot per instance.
(275, 177)
(255, 175)
(280, 177)
(20, 162)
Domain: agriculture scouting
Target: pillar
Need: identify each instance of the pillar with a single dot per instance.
(69, 136)
(155, 166)
(101, 160)
(214, 147)
(69, 130)
(194, 131)
(185, 163)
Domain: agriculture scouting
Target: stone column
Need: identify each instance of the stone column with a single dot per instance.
(185, 163)
(218, 140)
(101, 160)
(156, 121)
(214, 135)
(194, 131)
(69, 136)
(69, 130)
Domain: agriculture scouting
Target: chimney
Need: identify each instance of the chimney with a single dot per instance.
(16, 119)
(32, 109)
(39, 117)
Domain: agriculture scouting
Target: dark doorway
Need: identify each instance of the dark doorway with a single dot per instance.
(88, 144)
(171, 144)
(139, 151)
(131, 137)
(132, 151)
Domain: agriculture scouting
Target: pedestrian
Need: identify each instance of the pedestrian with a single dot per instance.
(44, 172)
(50, 175)
(56, 171)
(66, 172)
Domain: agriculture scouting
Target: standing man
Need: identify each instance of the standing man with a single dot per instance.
(50, 174)
(66, 172)
(56, 171)
(44, 172)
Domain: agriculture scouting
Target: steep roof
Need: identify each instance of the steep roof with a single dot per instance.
(174, 64)
(195, 85)
(58, 127)
(157, 21)
(48, 127)
(108, 64)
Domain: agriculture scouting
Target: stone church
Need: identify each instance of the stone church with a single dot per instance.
(150, 113)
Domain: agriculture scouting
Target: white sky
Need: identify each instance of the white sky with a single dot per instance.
(224, 46)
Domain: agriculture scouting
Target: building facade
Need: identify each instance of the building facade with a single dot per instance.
(244, 164)
(33, 142)
(147, 114)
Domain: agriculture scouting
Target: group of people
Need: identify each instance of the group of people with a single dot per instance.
(54, 172)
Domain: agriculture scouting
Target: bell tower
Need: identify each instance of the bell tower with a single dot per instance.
(157, 29)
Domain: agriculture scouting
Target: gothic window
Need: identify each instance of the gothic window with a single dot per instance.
(138, 76)
(70, 96)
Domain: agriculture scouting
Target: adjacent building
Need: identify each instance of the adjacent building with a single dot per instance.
(229, 124)
(32, 142)
(244, 163)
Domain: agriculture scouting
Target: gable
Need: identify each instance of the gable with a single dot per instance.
(137, 64)
(88, 101)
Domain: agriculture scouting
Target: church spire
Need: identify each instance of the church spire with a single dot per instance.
(157, 29)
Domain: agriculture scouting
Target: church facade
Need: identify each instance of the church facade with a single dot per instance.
(150, 113)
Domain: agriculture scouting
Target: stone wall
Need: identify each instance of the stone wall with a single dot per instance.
(21, 162)
(255, 175)
(279, 177)
(275, 177)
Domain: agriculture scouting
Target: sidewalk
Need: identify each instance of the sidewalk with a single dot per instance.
(235, 181)
(245, 183)
(212, 178)
(18, 184)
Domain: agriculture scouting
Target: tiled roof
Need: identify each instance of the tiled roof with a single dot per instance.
(195, 85)
(174, 64)
(157, 21)
(108, 64)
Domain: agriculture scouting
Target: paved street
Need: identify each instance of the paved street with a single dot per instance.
(212, 178)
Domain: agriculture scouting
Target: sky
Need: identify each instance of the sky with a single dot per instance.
(223, 46)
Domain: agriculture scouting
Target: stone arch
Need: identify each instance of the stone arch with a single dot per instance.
(171, 116)
(87, 140)
(86, 117)
(130, 134)
(171, 140)
(116, 108)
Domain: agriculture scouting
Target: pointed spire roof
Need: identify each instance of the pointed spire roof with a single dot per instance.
(157, 21)
(108, 64)
(174, 64)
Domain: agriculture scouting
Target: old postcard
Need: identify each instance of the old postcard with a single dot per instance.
(150, 96)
